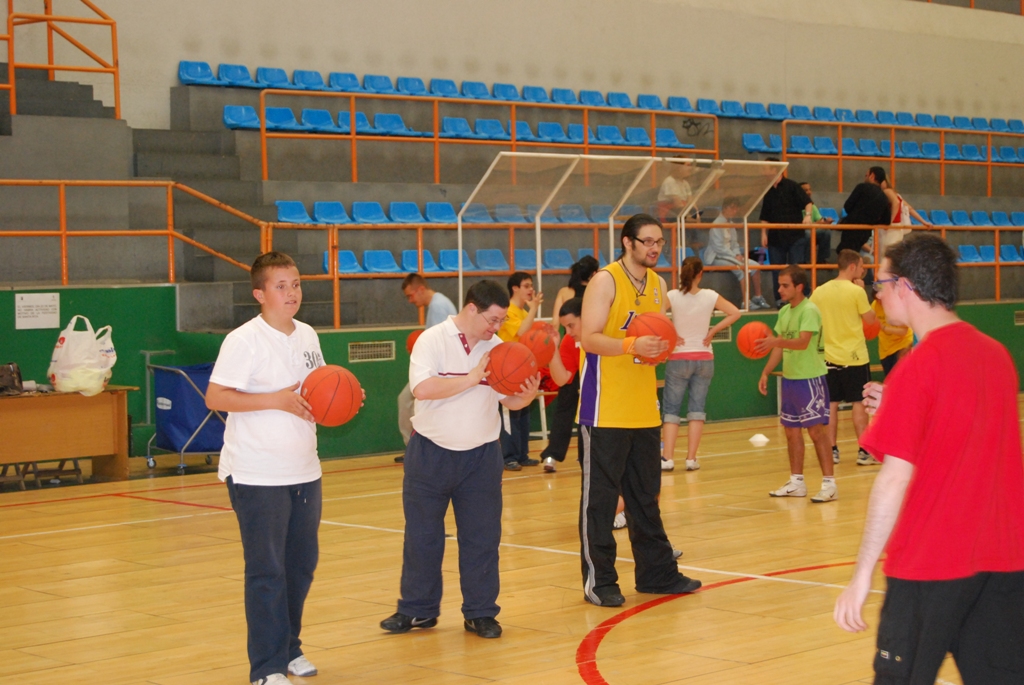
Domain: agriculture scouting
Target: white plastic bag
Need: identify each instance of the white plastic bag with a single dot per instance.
(82, 361)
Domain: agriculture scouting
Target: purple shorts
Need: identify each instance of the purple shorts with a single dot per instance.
(804, 402)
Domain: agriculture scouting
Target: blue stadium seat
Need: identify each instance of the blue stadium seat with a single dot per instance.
(943, 121)
(824, 114)
(308, 80)
(548, 217)
(198, 74)
(866, 116)
(524, 132)
(1017, 218)
(972, 154)
(663, 262)
(1009, 154)
(753, 142)
(993, 153)
(630, 210)
(491, 260)
(987, 252)
(551, 131)
(492, 129)
(362, 123)
(526, 260)
(926, 120)
(610, 135)
(638, 136)
(444, 88)
(369, 213)
(476, 213)
(1000, 126)
(732, 108)
(666, 137)
(440, 213)
(575, 134)
(774, 143)
(411, 85)
(557, 259)
(980, 124)
(392, 125)
(320, 120)
(507, 92)
(1016, 125)
(953, 152)
(476, 90)
(347, 263)
(824, 145)
(592, 98)
(980, 218)
(706, 106)
(330, 213)
(509, 214)
(930, 151)
(1008, 253)
(241, 117)
(963, 123)
(911, 149)
(344, 81)
(620, 100)
(448, 260)
(292, 212)
(535, 94)
(905, 119)
(405, 213)
(457, 127)
(564, 96)
(802, 112)
(378, 83)
(1001, 219)
(756, 110)
(600, 214)
(886, 118)
(924, 215)
(850, 148)
(829, 213)
(778, 111)
(380, 262)
(236, 75)
(800, 145)
(845, 116)
(283, 119)
(410, 262)
(271, 77)
(940, 218)
(960, 218)
(648, 101)
(885, 148)
(677, 103)
(589, 252)
(969, 253)
(573, 214)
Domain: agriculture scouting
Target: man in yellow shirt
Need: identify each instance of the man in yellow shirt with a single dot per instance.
(893, 341)
(524, 303)
(844, 307)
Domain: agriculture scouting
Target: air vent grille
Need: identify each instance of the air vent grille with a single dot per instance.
(381, 351)
(724, 335)
(1018, 318)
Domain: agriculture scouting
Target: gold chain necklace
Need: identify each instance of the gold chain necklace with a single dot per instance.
(633, 281)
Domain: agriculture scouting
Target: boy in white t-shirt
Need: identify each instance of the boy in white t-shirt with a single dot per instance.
(270, 464)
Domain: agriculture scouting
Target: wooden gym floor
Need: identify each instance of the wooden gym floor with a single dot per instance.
(141, 582)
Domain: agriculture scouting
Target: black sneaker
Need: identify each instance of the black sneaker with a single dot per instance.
(399, 460)
(484, 626)
(400, 623)
(607, 596)
(529, 462)
(513, 466)
(681, 587)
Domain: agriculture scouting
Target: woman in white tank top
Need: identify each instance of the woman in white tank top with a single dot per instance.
(691, 365)
(901, 213)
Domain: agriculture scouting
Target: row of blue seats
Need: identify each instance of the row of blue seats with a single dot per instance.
(823, 145)
(321, 121)
(959, 217)
(200, 73)
(292, 211)
(987, 253)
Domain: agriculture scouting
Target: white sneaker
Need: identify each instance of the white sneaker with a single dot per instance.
(300, 666)
(667, 464)
(835, 455)
(620, 521)
(828, 493)
(792, 488)
(692, 465)
(273, 679)
(549, 465)
(865, 458)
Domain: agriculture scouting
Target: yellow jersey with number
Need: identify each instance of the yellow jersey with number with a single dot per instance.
(619, 391)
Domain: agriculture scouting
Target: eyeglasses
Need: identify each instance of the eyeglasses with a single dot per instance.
(877, 285)
(650, 242)
(493, 322)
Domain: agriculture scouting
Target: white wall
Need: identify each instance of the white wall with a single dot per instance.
(872, 54)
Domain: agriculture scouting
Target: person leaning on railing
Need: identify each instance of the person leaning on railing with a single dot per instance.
(784, 203)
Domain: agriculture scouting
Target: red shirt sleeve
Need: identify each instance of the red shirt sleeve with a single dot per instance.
(570, 354)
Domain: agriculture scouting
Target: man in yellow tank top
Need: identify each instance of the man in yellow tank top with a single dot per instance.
(620, 422)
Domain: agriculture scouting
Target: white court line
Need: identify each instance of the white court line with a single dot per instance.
(687, 499)
(111, 525)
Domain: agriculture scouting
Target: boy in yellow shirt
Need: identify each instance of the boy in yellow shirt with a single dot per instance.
(893, 341)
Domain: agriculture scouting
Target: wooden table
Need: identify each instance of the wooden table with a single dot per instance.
(52, 426)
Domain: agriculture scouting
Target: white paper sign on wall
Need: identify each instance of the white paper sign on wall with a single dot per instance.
(36, 310)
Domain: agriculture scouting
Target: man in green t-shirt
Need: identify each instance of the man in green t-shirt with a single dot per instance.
(805, 401)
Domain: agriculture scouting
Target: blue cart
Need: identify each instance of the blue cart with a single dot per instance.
(183, 423)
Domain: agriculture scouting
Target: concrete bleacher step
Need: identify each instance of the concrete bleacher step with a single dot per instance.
(37, 95)
(186, 166)
(183, 142)
(231, 192)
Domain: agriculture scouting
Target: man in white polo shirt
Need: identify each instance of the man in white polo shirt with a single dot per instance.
(454, 457)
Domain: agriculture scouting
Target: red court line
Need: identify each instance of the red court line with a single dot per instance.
(171, 501)
(586, 653)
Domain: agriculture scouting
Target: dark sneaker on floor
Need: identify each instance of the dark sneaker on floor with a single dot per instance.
(399, 460)
(529, 462)
(607, 596)
(400, 623)
(683, 586)
(835, 455)
(484, 627)
(513, 466)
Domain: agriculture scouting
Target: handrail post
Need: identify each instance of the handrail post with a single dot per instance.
(263, 134)
(839, 171)
(170, 232)
(998, 270)
(10, 57)
(116, 64)
(48, 10)
(942, 165)
(782, 155)
(437, 145)
(63, 207)
(332, 249)
(988, 166)
(352, 136)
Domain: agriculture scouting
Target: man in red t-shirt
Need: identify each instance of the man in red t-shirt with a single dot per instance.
(949, 498)
(563, 374)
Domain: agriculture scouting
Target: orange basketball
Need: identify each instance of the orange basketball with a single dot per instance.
(541, 342)
(871, 330)
(410, 342)
(654, 323)
(334, 394)
(510, 365)
(543, 326)
(750, 334)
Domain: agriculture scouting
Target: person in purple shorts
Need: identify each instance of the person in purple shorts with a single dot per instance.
(805, 400)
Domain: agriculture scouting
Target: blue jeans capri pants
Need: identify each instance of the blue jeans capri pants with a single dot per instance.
(682, 375)
(726, 260)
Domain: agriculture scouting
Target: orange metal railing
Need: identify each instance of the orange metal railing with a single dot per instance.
(971, 5)
(893, 158)
(436, 140)
(53, 26)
